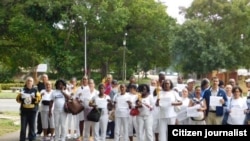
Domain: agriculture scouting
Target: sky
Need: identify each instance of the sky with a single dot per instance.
(173, 8)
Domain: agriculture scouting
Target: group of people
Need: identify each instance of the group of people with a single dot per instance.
(128, 110)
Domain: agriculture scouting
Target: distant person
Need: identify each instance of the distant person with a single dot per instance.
(111, 123)
(152, 86)
(232, 82)
(108, 84)
(190, 87)
(221, 84)
(28, 99)
(205, 85)
(180, 84)
(132, 81)
(229, 93)
(247, 120)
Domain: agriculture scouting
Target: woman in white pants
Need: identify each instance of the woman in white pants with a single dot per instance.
(132, 118)
(101, 101)
(44, 110)
(145, 118)
(73, 124)
(58, 98)
(122, 107)
(167, 99)
(88, 125)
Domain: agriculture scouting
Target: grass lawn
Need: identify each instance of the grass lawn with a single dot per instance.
(7, 95)
(7, 121)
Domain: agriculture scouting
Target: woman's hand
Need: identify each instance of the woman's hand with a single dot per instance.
(138, 103)
(157, 102)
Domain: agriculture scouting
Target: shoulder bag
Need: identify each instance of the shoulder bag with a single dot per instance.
(73, 106)
(94, 115)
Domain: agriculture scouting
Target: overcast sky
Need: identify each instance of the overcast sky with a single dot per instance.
(173, 8)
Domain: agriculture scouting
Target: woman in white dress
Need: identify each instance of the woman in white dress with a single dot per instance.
(237, 108)
(167, 100)
(185, 102)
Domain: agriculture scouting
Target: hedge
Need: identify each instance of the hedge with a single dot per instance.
(6, 86)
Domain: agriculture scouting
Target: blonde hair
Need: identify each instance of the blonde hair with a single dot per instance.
(29, 79)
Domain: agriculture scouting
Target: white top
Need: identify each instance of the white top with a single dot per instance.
(133, 98)
(102, 103)
(237, 107)
(46, 97)
(147, 106)
(121, 105)
(59, 100)
(185, 102)
(155, 111)
(151, 88)
(166, 107)
(80, 93)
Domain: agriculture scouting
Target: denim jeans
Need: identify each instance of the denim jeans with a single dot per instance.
(28, 118)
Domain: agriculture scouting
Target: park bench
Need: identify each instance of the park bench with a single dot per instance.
(14, 89)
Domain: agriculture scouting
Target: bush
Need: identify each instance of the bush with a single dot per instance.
(6, 86)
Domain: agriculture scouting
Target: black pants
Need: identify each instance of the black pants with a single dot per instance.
(39, 124)
(111, 129)
(28, 120)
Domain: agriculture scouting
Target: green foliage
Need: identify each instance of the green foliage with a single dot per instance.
(6, 86)
(52, 32)
(211, 37)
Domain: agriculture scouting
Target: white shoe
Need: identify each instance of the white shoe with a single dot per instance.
(52, 138)
(74, 136)
(68, 136)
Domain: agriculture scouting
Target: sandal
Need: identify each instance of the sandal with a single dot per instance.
(79, 139)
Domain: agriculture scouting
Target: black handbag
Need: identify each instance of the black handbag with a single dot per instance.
(45, 102)
(94, 115)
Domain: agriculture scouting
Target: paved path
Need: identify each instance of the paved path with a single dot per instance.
(15, 137)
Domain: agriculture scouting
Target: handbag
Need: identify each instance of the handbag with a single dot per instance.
(134, 112)
(94, 115)
(46, 102)
(73, 106)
